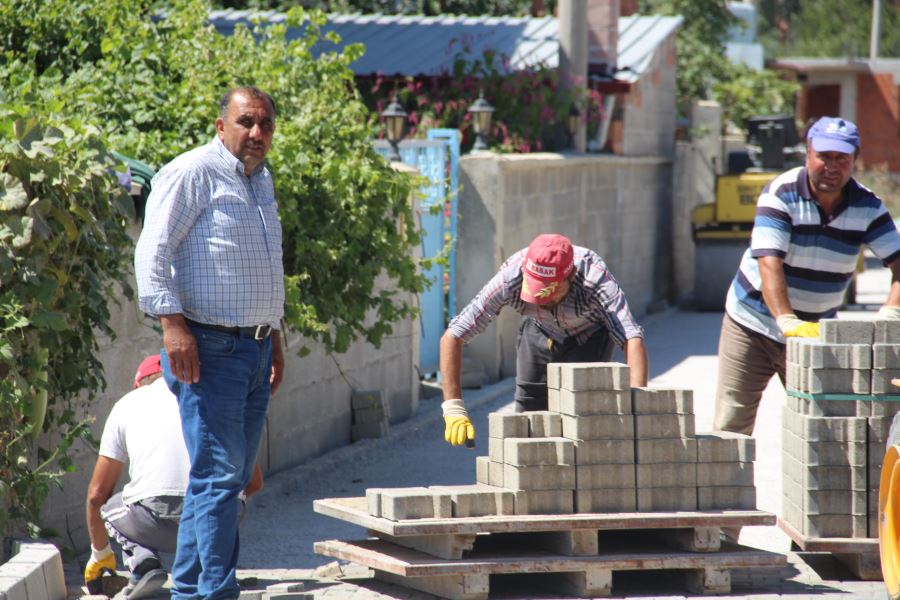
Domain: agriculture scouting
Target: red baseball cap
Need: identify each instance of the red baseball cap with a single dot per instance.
(548, 261)
(149, 366)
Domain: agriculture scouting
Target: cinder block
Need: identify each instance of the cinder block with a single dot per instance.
(666, 450)
(838, 381)
(595, 452)
(597, 477)
(544, 502)
(594, 376)
(715, 474)
(553, 376)
(504, 425)
(831, 429)
(13, 588)
(529, 452)
(661, 401)
(31, 574)
(598, 427)
(666, 498)
(482, 470)
(559, 477)
(725, 446)
(881, 382)
(726, 497)
(666, 475)
(360, 399)
(479, 500)
(606, 500)
(663, 426)
(886, 356)
(595, 402)
(846, 331)
(495, 448)
(414, 503)
(887, 331)
(544, 424)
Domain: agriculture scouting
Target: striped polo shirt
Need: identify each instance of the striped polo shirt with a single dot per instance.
(595, 301)
(819, 253)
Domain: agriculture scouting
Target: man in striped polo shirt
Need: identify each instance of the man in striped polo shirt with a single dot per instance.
(810, 225)
(574, 310)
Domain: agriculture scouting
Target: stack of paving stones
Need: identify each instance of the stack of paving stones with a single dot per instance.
(369, 416)
(835, 426)
(601, 447)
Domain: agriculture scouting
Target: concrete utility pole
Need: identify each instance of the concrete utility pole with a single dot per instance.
(876, 30)
(573, 53)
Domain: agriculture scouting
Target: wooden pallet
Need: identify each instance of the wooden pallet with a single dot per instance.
(860, 555)
(578, 553)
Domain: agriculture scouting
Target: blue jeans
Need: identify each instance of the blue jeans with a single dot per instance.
(222, 418)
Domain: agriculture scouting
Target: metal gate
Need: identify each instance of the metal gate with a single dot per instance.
(436, 158)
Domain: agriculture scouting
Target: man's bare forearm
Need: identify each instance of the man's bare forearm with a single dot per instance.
(451, 365)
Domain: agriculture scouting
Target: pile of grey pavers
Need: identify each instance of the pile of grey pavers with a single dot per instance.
(836, 422)
(601, 447)
(369, 415)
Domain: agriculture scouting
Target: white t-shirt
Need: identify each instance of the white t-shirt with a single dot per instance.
(144, 430)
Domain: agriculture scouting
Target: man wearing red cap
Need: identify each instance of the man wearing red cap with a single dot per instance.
(573, 311)
(143, 430)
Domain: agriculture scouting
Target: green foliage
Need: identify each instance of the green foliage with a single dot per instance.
(747, 93)
(64, 253)
(151, 91)
(416, 7)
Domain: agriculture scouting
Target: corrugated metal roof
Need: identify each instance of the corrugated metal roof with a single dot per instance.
(418, 45)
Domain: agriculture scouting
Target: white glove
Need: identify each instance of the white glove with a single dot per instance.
(889, 312)
(458, 427)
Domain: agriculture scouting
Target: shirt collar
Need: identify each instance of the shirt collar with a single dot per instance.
(231, 160)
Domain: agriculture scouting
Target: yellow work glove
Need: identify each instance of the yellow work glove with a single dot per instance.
(791, 326)
(102, 561)
(888, 312)
(458, 428)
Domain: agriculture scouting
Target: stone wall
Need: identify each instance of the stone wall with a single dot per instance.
(619, 206)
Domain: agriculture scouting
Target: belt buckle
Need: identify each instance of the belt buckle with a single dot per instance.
(262, 332)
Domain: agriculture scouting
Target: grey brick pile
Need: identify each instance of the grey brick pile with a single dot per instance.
(833, 448)
(369, 415)
(601, 446)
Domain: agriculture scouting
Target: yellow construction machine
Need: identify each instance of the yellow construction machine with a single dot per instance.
(721, 229)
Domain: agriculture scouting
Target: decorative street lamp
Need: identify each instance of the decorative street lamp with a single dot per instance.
(573, 120)
(394, 123)
(482, 112)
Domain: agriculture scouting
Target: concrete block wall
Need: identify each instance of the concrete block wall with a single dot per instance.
(649, 108)
(601, 447)
(833, 448)
(619, 206)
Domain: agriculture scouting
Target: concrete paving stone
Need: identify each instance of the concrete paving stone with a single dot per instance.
(846, 331)
(553, 400)
(832, 502)
(30, 574)
(285, 587)
(824, 477)
(413, 503)
(287, 595)
(794, 377)
(881, 381)
(479, 500)
(793, 349)
(13, 588)
(504, 425)
(360, 399)
(544, 502)
(495, 474)
(482, 470)
(886, 331)
(596, 452)
(495, 448)
(823, 453)
(725, 474)
(544, 424)
(663, 426)
(726, 497)
(647, 400)
(831, 429)
(553, 376)
(838, 381)
(606, 500)
(819, 355)
(595, 477)
(594, 376)
(559, 477)
(666, 498)
(886, 356)
(527, 452)
(725, 446)
(844, 525)
(666, 475)
(595, 402)
(666, 450)
(598, 427)
(883, 408)
(833, 408)
(879, 428)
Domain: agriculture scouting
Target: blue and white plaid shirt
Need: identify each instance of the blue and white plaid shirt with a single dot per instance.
(211, 244)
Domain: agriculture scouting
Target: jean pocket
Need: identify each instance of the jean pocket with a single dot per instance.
(215, 342)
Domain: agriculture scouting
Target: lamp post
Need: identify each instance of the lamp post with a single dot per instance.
(394, 122)
(481, 112)
(573, 120)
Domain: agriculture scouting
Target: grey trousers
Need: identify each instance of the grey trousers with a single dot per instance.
(747, 361)
(141, 532)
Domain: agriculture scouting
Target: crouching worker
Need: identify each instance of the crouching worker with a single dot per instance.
(144, 431)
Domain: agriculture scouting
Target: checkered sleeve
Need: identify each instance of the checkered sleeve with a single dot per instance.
(485, 307)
